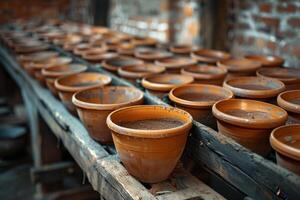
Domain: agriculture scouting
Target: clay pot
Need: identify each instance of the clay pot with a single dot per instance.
(81, 48)
(183, 49)
(37, 67)
(94, 105)
(252, 87)
(267, 61)
(93, 58)
(31, 49)
(70, 39)
(206, 74)
(54, 72)
(198, 99)
(290, 101)
(36, 57)
(140, 41)
(70, 84)
(237, 67)
(175, 64)
(289, 76)
(133, 73)
(115, 63)
(94, 51)
(249, 122)
(286, 142)
(209, 56)
(149, 139)
(160, 84)
(126, 49)
(150, 55)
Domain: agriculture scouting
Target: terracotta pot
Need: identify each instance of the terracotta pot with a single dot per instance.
(150, 54)
(70, 84)
(249, 122)
(183, 49)
(289, 76)
(175, 64)
(267, 61)
(140, 41)
(133, 73)
(161, 84)
(70, 39)
(115, 63)
(237, 67)
(36, 57)
(206, 74)
(198, 99)
(32, 48)
(81, 48)
(286, 142)
(252, 87)
(126, 49)
(290, 101)
(209, 56)
(93, 58)
(94, 105)
(54, 72)
(94, 51)
(37, 67)
(149, 139)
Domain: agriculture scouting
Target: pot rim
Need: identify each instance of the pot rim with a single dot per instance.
(110, 67)
(244, 122)
(101, 57)
(98, 106)
(286, 104)
(262, 73)
(140, 53)
(183, 48)
(55, 74)
(186, 62)
(200, 76)
(146, 83)
(281, 147)
(265, 59)
(218, 55)
(249, 93)
(236, 69)
(67, 88)
(124, 71)
(197, 104)
(160, 133)
(62, 60)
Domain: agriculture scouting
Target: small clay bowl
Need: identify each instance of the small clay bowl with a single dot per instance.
(140, 41)
(237, 67)
(198, 99)
(54, 72)
(150, 55)
(290, 101)
(149, 139)
(267, 61)
(206, 74)
(183, 49)
(289, 76)
(249, 122)
(81, 48)
(161, 84)
(36, 57)
(133, 73)
(286, 142)
(175, 64)
(93, 58)
(94, 51)
(70, 84)
(114, 64)
(126, 49)
(94, 105)
(31, 49)
(209, 56)
(252, 87)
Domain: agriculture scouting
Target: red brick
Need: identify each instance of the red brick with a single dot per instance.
(288, 8)
(295, 22)
(268, 21)
(265, 7)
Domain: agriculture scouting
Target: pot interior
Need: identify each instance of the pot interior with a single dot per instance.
(84, 80)
(205, 69)
(254, 83)
(171, 79)
(241, 64)
(122, 61)
(213, 54)
(280, 73)
(66, 68)
(292, 97)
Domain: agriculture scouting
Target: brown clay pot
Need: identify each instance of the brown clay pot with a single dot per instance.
(149, 139)
(70, 39)
(126, 49)
(150, 54)
(31, 49)
(175, 64)
(99, 58)
(290, 101)
(140, 41)
(133, 73)
(54, 72)
(81, 48)
(94, 105)
(36, 57)
(267, 61)
(286, 142)
(161, 84)
(249, 122)
(37, 67)
(198, 99)
(70, 84)
(183, 49)
(252, 87)
(289, 76)
(115, 63)
(94, 51)
(237, 67)
(206, 74)
(209, 56)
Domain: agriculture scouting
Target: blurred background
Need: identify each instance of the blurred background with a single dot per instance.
(238, 26)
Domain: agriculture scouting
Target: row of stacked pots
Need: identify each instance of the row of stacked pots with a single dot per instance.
(191, 85)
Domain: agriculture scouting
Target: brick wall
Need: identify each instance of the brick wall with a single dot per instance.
(265, 27)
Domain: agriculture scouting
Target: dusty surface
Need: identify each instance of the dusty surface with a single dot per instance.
(153, 124)
(200, 97)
